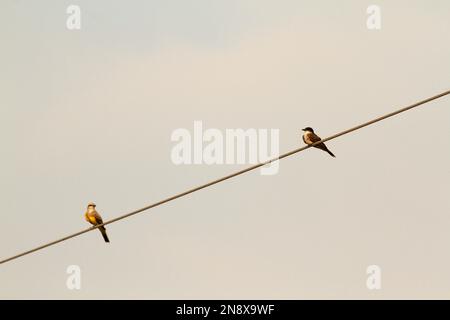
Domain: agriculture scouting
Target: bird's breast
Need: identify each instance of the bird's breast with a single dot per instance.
(307, 138)
(90, 218)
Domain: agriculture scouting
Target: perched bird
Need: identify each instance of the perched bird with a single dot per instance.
(309, 137)
(94, 218)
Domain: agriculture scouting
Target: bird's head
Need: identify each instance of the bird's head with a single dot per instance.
(308, 129)
(91, 205)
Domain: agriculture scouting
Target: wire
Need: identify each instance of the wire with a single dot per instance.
(206, 185)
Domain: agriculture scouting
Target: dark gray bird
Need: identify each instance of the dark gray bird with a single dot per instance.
(309, 137)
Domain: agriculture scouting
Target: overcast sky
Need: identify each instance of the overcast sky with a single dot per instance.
(87, 115)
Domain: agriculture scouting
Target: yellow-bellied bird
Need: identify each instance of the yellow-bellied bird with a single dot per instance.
(94, 218)
(309, 137)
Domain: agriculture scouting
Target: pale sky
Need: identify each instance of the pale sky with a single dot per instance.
(87, 115)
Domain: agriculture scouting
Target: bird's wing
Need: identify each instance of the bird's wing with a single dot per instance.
(314, 137)
(98, 218)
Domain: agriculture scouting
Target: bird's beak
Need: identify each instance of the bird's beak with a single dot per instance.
(303, 130)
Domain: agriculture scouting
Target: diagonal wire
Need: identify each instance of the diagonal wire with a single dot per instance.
(235, 174)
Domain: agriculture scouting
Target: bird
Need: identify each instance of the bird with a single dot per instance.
(309, 137)
(94, 218)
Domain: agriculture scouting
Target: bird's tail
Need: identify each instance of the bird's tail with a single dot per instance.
(323, 147)
(331, 153)
(103, 231)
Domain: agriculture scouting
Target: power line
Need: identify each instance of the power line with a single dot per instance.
(285, 155)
